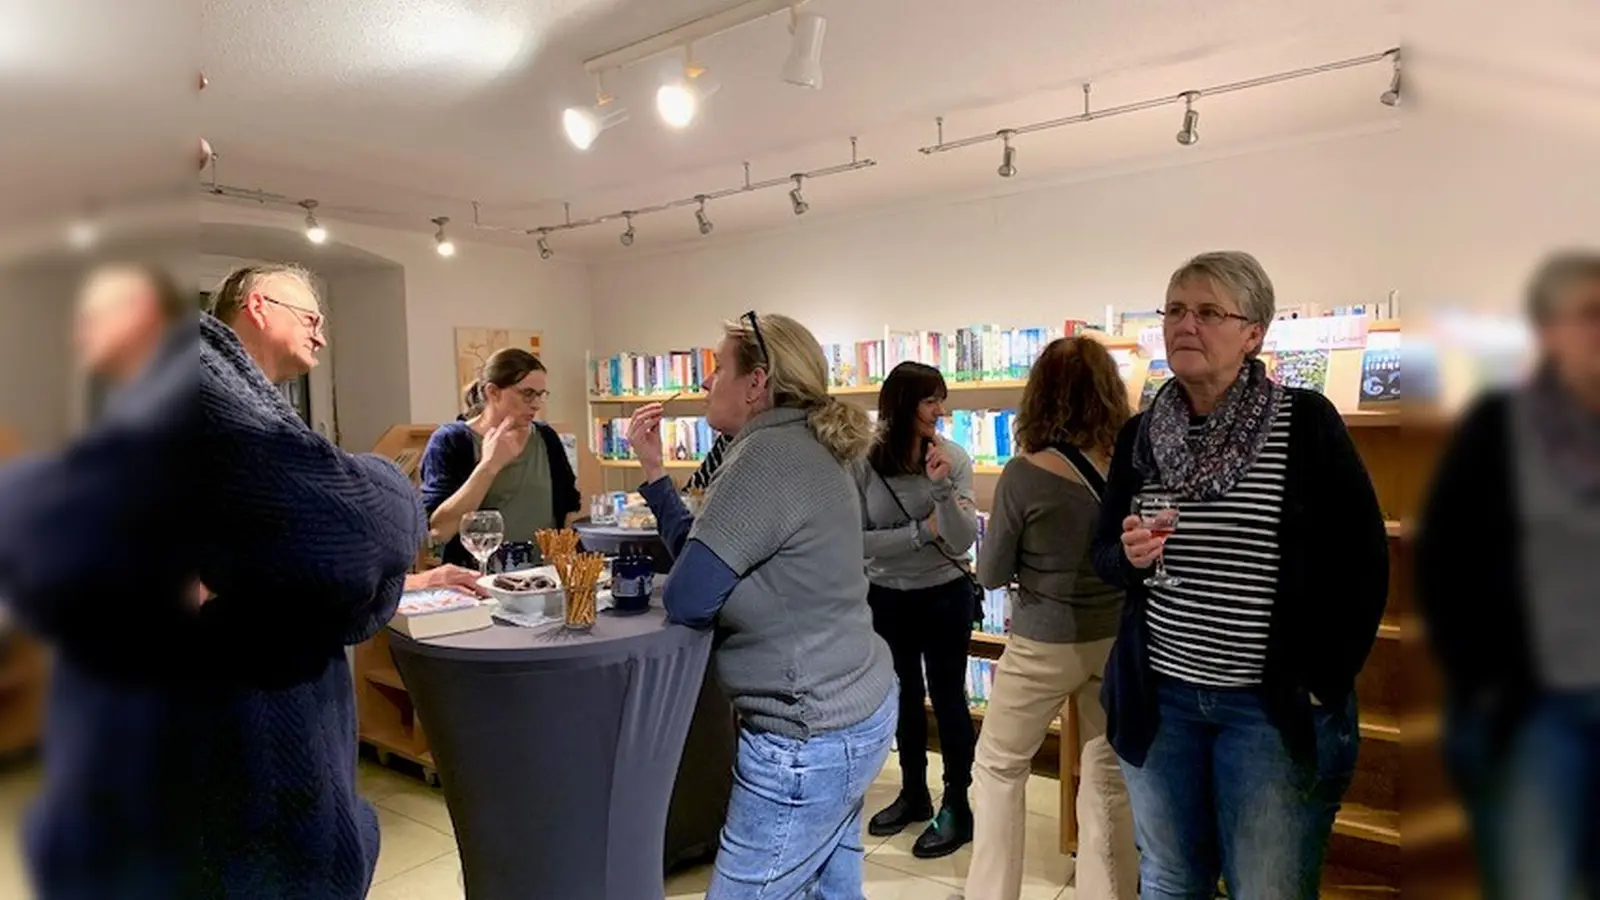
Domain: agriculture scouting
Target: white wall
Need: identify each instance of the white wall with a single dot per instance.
(1316, 216)
(482, 285)
(37, 376)
(372, 381)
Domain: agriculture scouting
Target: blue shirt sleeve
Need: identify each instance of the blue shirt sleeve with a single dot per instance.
(699, 584)
(673, 519)
(447, 463)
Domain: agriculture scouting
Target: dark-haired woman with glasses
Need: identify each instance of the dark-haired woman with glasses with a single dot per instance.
(500, 457)
(919, 519)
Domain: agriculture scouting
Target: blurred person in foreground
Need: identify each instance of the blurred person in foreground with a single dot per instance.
(1508, 583)
(773, 561)
(96, 558)
(200, 559)
(1230, 693)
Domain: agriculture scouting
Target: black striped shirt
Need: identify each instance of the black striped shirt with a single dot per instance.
(1212, 629)
(701, 479)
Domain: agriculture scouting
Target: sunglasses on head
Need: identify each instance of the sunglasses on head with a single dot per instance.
(761, 342)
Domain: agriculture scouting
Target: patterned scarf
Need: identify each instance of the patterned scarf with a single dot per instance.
(1207, 465)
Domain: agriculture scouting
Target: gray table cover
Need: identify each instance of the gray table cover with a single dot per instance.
(557, 751)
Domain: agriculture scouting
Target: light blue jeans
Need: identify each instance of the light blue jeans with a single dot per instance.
(794, 820)
(1218, 793)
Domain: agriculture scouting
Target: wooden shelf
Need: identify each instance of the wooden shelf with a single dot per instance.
(385, 677)
(1380, 726)
(634, 464)
(1393, 528)
(983, 637)
(1368, 824)
(680, 396)
(1388, 631)
(1339, 883)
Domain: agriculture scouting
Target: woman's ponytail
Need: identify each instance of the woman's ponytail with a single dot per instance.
(473, 398)
(844, 429)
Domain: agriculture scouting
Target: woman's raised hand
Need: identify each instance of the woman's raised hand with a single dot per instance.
(644, 435)
(504, 443)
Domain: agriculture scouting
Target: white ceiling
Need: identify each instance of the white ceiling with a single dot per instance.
(393, 111)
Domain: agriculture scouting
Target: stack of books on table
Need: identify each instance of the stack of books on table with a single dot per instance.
(438, 612)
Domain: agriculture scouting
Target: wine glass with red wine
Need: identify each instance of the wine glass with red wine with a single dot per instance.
(1159, 514)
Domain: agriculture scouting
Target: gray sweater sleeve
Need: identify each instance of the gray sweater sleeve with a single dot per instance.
(955, 503)
(997, 564)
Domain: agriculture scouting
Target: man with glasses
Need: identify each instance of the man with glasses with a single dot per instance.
(274, 311)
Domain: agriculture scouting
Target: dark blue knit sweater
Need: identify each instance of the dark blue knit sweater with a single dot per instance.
(210, 754)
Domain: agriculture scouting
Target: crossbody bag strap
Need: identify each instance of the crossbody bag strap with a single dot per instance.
(1091, 477)
(959, 564)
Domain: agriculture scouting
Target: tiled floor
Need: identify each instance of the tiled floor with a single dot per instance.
(419, 862)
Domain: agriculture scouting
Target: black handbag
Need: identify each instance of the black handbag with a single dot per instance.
(973, 587)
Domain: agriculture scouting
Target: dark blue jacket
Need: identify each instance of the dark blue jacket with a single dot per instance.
(208, 754)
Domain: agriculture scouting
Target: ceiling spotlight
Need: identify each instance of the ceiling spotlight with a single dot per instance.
(315, 233)
(701, 217)
(678, 101)
(584, 123)
(1008, 156)
(444, 245)
(1189, 135)
(627, 236)
(1391, 97)
(803, 68)
(797, 199)
(82, 234)
(544, 246)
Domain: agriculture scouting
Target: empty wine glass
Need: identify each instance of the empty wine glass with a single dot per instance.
(1158, 513)
(481, 534)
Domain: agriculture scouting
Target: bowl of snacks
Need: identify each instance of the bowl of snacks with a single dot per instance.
(531, 592)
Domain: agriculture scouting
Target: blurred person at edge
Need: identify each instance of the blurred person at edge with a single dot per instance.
(773, 560)
(1508, 584)
(96, 558)
(919, 518)
(1231, 697)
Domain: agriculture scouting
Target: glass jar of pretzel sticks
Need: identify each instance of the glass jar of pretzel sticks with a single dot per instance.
(579, 574)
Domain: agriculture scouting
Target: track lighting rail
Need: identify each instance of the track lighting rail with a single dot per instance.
(697, 200)
(1090, 115)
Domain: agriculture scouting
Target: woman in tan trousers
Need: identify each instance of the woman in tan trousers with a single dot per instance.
(1046, 507)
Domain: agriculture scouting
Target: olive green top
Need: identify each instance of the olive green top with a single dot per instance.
(522, 492)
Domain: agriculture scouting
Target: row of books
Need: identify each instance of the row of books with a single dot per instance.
(976, 353)
(980, 681)
(682, 438)
(988, 435)
(997, 602)
(641, 373)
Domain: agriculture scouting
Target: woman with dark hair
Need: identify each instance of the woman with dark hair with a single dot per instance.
(488, 461)
(1046, 509)
(919, 518)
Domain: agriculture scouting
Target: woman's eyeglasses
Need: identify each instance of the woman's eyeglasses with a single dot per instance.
(761, 342)
(531, 396)
(1210, 316)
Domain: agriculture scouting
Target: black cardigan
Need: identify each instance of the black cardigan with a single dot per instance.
(1468, 556)
(1333, 580)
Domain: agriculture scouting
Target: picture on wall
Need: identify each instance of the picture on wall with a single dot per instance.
(474, 346)
(1307, 369)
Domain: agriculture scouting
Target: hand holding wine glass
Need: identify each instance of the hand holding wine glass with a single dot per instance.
(1157, 518)
(482, 532)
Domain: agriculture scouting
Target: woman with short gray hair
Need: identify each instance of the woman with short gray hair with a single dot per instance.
(1230, 692)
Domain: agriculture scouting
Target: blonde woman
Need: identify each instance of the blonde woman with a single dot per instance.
(1046, 511)
(773, 560)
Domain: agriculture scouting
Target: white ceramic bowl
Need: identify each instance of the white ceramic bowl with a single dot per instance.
(529, 603)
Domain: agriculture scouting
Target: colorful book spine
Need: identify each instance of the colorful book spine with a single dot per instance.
(683, 438)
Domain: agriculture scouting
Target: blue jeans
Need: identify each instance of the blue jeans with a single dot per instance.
(794, 819)
(1535, 800)
(1219, 794)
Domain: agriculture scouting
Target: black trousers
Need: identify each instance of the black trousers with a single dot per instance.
(930, 627)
